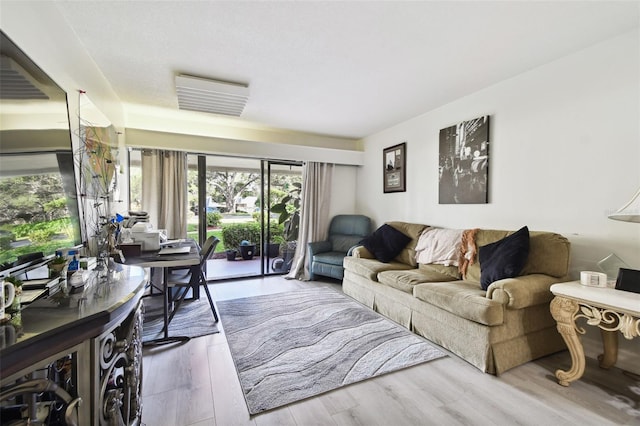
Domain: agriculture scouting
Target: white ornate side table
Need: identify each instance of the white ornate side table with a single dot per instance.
(609, 309)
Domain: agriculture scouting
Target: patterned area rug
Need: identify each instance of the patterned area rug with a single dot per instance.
(193, 319)
(295, 345)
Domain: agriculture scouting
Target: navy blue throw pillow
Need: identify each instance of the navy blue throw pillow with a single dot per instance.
(386, 243)
(504, 258)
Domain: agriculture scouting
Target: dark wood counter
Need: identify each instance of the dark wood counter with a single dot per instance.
(83, 322)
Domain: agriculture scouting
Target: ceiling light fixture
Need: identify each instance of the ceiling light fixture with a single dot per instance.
(213, 96)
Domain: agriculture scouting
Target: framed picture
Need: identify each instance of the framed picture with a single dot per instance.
(464, 162)
(395, 162)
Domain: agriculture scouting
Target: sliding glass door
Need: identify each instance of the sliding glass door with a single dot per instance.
(282, 186)
(226, 200)
(252, 206)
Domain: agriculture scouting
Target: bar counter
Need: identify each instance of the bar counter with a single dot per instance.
(98, 327)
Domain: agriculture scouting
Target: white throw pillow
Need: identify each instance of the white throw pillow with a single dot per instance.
(439, 245)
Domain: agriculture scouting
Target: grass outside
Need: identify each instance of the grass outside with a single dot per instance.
(193, 233)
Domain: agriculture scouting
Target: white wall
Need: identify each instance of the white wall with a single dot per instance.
(343, 190)
(564, 152)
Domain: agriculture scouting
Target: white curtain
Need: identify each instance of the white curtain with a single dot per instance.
(164, 190)
(314, 214)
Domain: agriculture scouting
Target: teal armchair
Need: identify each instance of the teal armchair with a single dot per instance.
(345, 231)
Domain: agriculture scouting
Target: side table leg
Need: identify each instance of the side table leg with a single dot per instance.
(610, 347)
(563, 311)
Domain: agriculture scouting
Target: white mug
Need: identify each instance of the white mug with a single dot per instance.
(7, 294)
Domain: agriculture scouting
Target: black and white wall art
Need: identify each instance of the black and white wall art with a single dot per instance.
(464, 162)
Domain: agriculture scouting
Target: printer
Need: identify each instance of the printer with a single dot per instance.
(149, 239)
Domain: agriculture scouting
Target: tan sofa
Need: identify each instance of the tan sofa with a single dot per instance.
(507, 325)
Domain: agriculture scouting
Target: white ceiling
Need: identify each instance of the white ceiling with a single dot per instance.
(346, 69)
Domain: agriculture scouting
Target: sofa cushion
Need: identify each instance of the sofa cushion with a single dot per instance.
(483, 237)
(386, 243)
(412, 230)
(407, 279)
(361, 251)
(450, 271)
(462, 298)
(549, 253)
(370, 268)
(504, 258)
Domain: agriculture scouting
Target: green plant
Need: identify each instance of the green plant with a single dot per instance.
(214, 219)
(41, 235)
(47, 247)
(13, 280)
(6, 238)
(278, 239)
(288, 210)
(58, 260)
(234, 234)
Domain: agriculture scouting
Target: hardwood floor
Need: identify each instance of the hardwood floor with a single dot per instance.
(196, 384)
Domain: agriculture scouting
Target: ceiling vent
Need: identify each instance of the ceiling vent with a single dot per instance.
(217, 97)
(16, 83)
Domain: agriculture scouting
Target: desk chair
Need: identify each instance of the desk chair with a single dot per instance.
(186, 270)
(194, 278)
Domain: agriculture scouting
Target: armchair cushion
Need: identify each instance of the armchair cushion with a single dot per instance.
(318, 247)
(329, 257)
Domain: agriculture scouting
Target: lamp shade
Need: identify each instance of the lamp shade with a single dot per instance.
(630, 212)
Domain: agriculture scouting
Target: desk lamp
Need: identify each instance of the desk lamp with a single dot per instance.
(627, 214)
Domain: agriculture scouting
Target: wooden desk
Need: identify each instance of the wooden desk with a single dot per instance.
(155, 260)
(609, 309)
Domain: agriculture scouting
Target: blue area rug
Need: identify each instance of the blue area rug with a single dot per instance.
(295, 345)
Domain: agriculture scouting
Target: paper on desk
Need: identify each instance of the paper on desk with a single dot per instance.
(174, 250)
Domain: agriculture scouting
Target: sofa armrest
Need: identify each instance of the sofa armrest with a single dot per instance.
(523, 291)
(318, 247)
(362, 252)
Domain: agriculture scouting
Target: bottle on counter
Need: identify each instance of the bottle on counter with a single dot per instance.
(74, 264)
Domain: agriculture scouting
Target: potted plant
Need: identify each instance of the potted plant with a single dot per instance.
(289, 215)
(273, 247)
(57, 264)
(231, 254)
(288, 210)
(275, 235)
